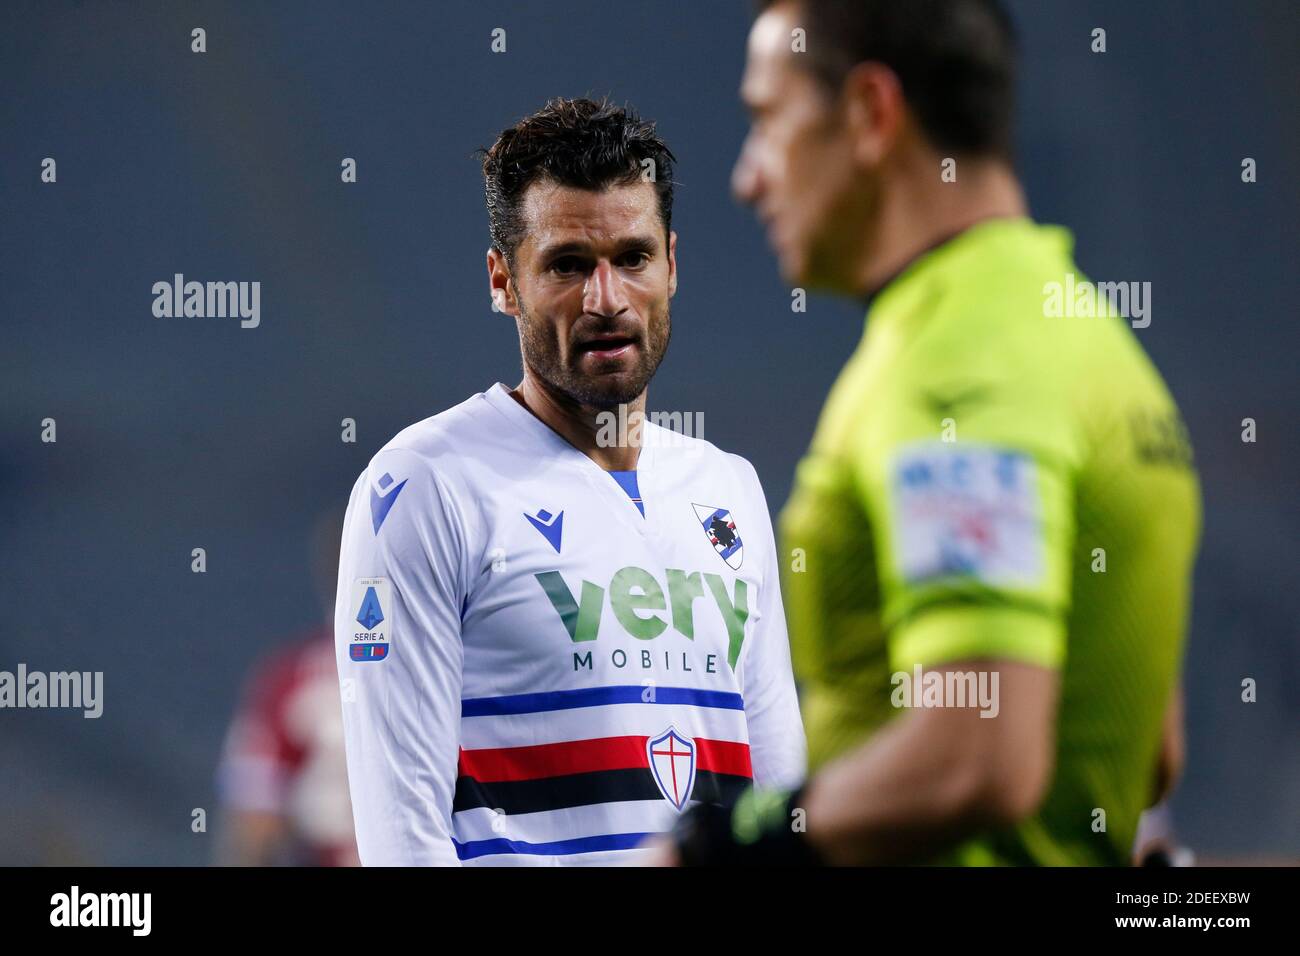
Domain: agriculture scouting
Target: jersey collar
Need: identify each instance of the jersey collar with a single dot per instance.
(499, 397)
(941, 251)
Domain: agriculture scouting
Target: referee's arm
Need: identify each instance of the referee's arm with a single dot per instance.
(936, 776)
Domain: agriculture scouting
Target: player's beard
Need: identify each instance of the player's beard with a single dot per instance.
(541, 353)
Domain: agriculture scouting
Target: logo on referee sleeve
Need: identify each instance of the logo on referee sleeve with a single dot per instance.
(967, 512)
(372, 597)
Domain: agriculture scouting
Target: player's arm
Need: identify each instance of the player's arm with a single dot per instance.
(937, 776)
(401, 713)
(777, 746)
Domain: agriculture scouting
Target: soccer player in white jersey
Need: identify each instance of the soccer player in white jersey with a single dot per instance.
(551, 644)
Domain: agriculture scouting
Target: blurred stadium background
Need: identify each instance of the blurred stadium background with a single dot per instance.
(183, 433)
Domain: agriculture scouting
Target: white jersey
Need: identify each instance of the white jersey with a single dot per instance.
(534, 672)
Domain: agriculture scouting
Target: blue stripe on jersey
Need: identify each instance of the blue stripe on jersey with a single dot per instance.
(591, 844)
(597, 697)
(627, 481)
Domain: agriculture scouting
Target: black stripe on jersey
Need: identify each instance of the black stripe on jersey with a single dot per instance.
(585, 789)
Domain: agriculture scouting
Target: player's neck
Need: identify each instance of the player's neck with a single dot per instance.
(920, 211)
(579, 426)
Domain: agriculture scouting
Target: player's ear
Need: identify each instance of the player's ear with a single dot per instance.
(672, 264)
(501, 286)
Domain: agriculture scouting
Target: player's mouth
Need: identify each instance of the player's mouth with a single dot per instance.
(607, 348)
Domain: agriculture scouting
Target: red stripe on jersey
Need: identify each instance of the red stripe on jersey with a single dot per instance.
(724, 756)
(590, 756)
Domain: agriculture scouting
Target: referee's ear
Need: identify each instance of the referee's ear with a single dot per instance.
(501, 285)
(874, 110)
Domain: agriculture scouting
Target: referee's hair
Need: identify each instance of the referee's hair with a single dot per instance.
(955, 61)
(581, 143)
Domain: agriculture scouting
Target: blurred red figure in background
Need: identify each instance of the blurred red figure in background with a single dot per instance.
(283, 779)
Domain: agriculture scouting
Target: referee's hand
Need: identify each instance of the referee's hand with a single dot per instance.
(662, 852)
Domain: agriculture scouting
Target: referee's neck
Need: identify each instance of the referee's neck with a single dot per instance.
(920, 211)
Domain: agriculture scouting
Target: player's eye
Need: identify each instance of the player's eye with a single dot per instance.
(634, 260)
(566, 265)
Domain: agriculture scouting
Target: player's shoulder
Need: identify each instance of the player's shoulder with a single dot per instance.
(446, 434)
(431, 463)
(695, 453)
(437, 444)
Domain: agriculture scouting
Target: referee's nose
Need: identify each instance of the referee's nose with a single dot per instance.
(604, 294)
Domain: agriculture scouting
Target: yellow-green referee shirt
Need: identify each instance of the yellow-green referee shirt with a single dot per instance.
(991, 479)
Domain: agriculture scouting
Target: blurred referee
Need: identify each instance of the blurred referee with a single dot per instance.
(997, 501)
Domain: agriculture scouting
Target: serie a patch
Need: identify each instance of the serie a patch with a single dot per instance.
(967, 511)
(372, 599)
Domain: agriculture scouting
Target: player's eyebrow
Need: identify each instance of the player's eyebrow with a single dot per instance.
(646, 244)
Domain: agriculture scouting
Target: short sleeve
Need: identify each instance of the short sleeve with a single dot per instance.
(972, 503)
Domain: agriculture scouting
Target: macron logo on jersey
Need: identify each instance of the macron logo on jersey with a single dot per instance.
(381, 504)
(550, 526)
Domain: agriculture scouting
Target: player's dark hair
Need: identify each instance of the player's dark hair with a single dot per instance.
(580, 143)
(955, 60)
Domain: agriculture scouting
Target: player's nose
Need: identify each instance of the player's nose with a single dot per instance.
(604, 293)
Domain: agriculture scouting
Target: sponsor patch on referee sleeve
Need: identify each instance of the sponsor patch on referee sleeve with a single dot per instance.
(372, 601)
(966, 511)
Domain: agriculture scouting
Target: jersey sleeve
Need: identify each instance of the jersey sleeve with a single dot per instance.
(398, 643)
(972, 501)
(777, 747)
